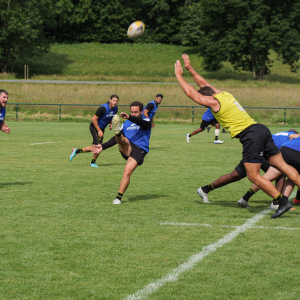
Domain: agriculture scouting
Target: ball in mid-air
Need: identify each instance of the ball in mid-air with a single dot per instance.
(136, 30)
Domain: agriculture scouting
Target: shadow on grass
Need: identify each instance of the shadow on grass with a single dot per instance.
(49, 64)
(14, 183)
(144, 197)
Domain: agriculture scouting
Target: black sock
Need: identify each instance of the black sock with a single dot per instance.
(282, 200)
(190, 135)
(206, 189)
(216, 138)
(248, 195)
(79, 151)
(120, 195)
(93, 161)
(298, 195)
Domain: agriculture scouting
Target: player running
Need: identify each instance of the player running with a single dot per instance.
(256, 138)
(133, 141)
(3, 101)
(207, 119)
(151, 108)
(100, 120)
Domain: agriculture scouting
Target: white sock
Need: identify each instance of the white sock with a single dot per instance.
(217, 132)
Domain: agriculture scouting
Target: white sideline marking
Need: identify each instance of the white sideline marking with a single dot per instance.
(193, 260)
(227, 226)
(41, 143)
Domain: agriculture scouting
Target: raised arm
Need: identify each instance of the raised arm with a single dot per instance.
(207, 101)
(197, 78)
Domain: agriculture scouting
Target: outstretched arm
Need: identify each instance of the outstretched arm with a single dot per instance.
(197, 78)
(207, 101)
(4, 127)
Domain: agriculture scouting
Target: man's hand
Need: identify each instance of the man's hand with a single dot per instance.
(178, 69)
(97, 149)
(152, 124)
(124, 115)
(100, 134)
(294, 136)
(186, 61)
(6, 129)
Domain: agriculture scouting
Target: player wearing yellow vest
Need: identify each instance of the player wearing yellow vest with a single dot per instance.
(256, 138)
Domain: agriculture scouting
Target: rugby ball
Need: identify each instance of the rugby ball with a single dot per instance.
(136, 30)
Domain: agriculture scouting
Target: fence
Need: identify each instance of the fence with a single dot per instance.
(17, 105)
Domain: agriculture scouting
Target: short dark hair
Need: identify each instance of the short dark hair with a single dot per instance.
(159, 95)
(293, 130)
(3, 91)
(114, 96)
(206, 91)
(137, 103)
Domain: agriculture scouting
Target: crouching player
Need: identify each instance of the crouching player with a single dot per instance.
(133, 141)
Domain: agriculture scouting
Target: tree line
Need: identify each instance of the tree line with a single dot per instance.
(242, 32)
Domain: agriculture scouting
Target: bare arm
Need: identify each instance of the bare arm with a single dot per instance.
(95, 123)
(4, 127)
(294, 136)
(207, 101)
(197, 78)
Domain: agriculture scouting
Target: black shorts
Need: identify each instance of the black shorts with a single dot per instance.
(137, 154)
(205, 124)
(94, 132)
(257, 143)
(241, 170)
(291, 157)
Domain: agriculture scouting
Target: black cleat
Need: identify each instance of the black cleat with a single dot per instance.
(224, 131)
(282, 209)
(208, 129)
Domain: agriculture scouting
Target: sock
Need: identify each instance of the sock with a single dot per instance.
(206, 189)
(248, 195)
(120, 195)
(190, 135)
(93, 161)
(298, 195)
(282, 200)
(216, 138)
(217, 133)
(79, 151)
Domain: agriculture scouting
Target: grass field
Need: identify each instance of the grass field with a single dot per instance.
(61, 237)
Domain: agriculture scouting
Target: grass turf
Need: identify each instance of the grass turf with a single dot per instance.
(61, 237)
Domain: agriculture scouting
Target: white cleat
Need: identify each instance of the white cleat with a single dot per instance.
(218, 142)
(274, 206)
(116, 124)
(188, 138)
(243, 203)
(116, 201)
(203, 195)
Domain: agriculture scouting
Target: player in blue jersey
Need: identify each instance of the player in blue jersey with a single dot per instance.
(240, 172)
(100, 120)
(289, 144)
(3, 101)
(151, 108)
(133, 141)
(207, 119)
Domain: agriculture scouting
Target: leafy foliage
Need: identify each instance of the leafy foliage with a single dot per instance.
(244, 32)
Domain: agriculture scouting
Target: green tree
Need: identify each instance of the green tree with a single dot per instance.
(23, 24)
(245, 31)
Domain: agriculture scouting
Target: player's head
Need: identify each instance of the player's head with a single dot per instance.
(293, 130)
(136, 108)
(3, 98)
(206, 91)
(113, 101)
(158, 98)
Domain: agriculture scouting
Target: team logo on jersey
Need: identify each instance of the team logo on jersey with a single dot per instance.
(111, 114)
(133, 127)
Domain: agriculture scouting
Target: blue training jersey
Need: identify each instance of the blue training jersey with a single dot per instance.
(153, 111)
(2, 114)
(104, 120)
(136, 134)
(293, 144)
(208, 116)
(282, 137)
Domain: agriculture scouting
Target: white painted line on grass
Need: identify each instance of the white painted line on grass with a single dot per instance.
(41, 143)
(193, 260)
(226, 226)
